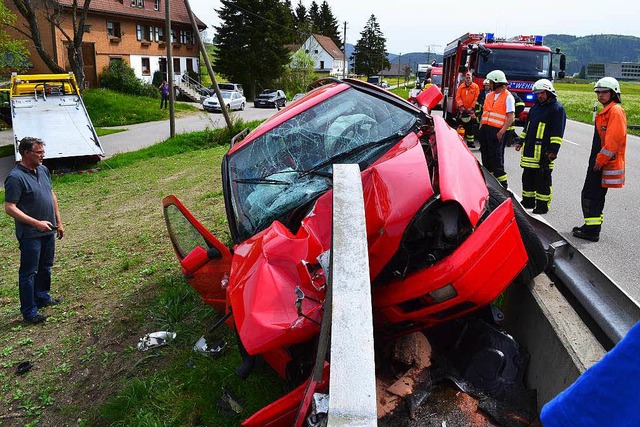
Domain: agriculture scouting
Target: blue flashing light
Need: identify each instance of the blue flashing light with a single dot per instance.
(530, 97)
(538, 40)
(490, 37)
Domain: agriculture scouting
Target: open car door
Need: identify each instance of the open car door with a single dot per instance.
(205, 261)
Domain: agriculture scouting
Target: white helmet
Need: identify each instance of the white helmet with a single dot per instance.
(486, 82)
(608, 83)
(497, 76)
(544, 84)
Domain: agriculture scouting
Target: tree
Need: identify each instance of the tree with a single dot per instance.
(13, 53)
(314, 16)
(299, 74)
(370, 52)
(327, 24)
(301, 23)
(57, 14)
(251, 42)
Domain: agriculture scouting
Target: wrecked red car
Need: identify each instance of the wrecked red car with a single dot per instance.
(443, 239)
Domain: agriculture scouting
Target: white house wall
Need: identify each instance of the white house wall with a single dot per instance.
(154, 63)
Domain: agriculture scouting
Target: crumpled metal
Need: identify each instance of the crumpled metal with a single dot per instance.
(214, 349)
(155, 339)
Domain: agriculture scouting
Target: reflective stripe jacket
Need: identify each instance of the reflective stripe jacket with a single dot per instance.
(494, 111)
(467, 96)
(611, 134)
(542, 134)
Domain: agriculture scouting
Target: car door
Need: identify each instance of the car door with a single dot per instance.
(205, 261)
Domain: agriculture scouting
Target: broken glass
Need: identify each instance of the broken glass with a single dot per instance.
(291, 164)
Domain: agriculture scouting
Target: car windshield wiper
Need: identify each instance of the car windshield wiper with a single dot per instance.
(261, 181)
(349, 153)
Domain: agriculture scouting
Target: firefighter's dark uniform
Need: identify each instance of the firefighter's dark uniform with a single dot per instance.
(511, 136)
(541, 135)
(494, 116)
(607, 150)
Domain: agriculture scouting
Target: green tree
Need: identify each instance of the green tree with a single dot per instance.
(314, 16)
(327, 24)
(251, 40)
(370, 52)
(299, 74)
(301, 23)
(13, 53)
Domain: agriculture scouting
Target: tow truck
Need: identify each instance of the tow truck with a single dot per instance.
(524, 59)
(50, 107)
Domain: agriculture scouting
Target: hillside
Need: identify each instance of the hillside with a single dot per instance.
(580, 51)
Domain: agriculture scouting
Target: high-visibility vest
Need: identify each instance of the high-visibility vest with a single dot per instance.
(611, 127)
(495, 110)
(467, 96)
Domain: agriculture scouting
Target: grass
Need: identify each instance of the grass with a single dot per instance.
(119, 278)
(108, 108)
(105, 131)
(6, 150)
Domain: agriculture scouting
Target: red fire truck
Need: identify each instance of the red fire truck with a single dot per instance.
(524, 59)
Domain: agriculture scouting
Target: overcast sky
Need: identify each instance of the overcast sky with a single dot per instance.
(419, 26)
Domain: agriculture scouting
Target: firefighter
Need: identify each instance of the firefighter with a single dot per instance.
(466, 97)
(540, 142)
(511, 136)
(497, 115)
(607, 160)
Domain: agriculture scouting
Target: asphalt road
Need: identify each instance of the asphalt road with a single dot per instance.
(614, 254)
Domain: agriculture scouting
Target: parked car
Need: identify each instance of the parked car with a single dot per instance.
(208, 92)
(233, 101)
(444, 238)
(298, 96)
(270, 98)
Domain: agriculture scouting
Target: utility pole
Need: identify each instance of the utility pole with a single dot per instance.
(344, 51)
(399, 69)
(429, 47)
(172, 93)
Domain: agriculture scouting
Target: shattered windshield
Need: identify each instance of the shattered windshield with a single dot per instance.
(291, 165)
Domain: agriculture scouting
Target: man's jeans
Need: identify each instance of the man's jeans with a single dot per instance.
(34, 276)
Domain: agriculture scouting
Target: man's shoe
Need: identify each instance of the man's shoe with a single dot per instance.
(528, 204)
(38, 318)
(580, 228)
(586, 235)
(52, 301)
(540, 211)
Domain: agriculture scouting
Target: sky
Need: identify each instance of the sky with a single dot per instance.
(421, 26)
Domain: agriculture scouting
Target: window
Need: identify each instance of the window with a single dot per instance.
(322, 65)
(156, 4)
(146, 67)
(113, 29)
(315, 51)
(176, 66)
(190, 65)
(159, 34)
(144, 32)
(137, 3)
(86, 28)
(186, 37)
(173, 36)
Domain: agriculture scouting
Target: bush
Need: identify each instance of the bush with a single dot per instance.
(158, 78)
(119, 77)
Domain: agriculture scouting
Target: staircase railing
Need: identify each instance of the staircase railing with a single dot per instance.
(191, 86)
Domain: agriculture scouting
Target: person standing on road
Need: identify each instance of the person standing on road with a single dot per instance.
(606, 168)
(30, 200)
(511, 136)
(540, 142)
(466, 98)
(164, 92)
(497, 115)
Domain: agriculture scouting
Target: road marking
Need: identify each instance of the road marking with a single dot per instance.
(571, 142)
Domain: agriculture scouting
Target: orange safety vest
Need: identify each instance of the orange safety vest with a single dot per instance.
(467, 96)
(611, 125)
(494, 111)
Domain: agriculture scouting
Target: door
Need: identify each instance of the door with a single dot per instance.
(205, 261)
(89, 59)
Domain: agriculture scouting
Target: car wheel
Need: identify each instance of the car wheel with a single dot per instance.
(532, 243)
(242, 107)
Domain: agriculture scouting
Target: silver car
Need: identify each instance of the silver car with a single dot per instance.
(232, 101)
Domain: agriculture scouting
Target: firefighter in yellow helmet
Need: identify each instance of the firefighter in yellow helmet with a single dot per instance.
(606, 167)
(497, 115)
(540, 142)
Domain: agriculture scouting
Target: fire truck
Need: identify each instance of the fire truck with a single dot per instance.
(523, 59)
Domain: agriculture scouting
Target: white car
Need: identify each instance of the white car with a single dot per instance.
(232, 101)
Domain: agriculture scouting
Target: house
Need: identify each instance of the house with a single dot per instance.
(121, 30)
(327, 56)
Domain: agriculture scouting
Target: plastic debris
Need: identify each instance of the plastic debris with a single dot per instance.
(229, 404)
(214, 349)
(155, 339)
(24, 367)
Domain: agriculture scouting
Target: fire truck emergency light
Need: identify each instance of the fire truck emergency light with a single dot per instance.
(490, 38)
(538, 41)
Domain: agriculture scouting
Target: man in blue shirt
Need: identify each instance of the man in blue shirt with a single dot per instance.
(30, 200)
